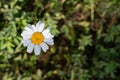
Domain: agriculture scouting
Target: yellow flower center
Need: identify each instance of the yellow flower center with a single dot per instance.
(37, 38)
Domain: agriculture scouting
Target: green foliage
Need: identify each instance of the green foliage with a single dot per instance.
(87, 40)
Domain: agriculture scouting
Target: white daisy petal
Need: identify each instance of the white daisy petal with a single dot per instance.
(37, 50)
(47, 33)
(30, 47)
(26, 33)
(26, 42)
(29, 30)
(50, 43)
(40, 26)
(44, 46)
(49, 40)
(25, 36)
(32, 27)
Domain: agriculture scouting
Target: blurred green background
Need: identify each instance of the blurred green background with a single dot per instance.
(87, 40)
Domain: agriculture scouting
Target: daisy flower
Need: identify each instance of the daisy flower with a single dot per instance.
(35, 37)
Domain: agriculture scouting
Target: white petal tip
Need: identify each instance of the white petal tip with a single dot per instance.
(37, 54)
(37, 50)
(28, 52)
